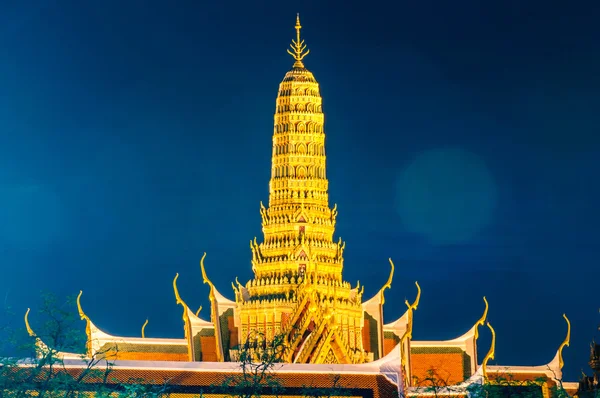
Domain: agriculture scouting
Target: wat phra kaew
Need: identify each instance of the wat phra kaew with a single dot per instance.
(298, 291)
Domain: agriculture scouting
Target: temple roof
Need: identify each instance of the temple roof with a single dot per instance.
(196, 377)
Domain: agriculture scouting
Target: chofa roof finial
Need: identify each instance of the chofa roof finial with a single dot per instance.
(144, 328)
(491, 352)
(205, 277)
(388, 284)
(483, 318)
(564, 343)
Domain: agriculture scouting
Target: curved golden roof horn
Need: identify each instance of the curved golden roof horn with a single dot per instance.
(178, 298)
(388, 284)
(564, 343)
(481, 320)
(205, 277)
(198, 312)
(184, 316)
(491, 352)
(415, 303)
(144, 328)
(409, 322)
(88, 323)
(27, 326)
(82, 314)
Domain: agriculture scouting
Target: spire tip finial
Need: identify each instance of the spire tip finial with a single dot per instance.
(298, 46)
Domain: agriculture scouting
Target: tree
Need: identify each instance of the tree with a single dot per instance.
(44, 374)
(257, 359)
(500, 386)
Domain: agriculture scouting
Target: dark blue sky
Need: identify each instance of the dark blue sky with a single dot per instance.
(462, 141)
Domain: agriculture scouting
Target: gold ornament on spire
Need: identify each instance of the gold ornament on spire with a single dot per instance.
(298, 46)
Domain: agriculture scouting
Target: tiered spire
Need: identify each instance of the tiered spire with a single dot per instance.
(298, 225)
(298, 287)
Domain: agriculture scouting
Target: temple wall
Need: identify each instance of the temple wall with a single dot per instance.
(450, 365)
(147, 356)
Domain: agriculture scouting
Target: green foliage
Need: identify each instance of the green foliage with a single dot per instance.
(44, 374)
(501, 386)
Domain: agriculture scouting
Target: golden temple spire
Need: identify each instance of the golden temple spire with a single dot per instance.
(298, 46)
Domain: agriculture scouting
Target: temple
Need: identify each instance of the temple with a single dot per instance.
(298, 291)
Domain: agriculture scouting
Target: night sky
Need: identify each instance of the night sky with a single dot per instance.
(462, 142)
